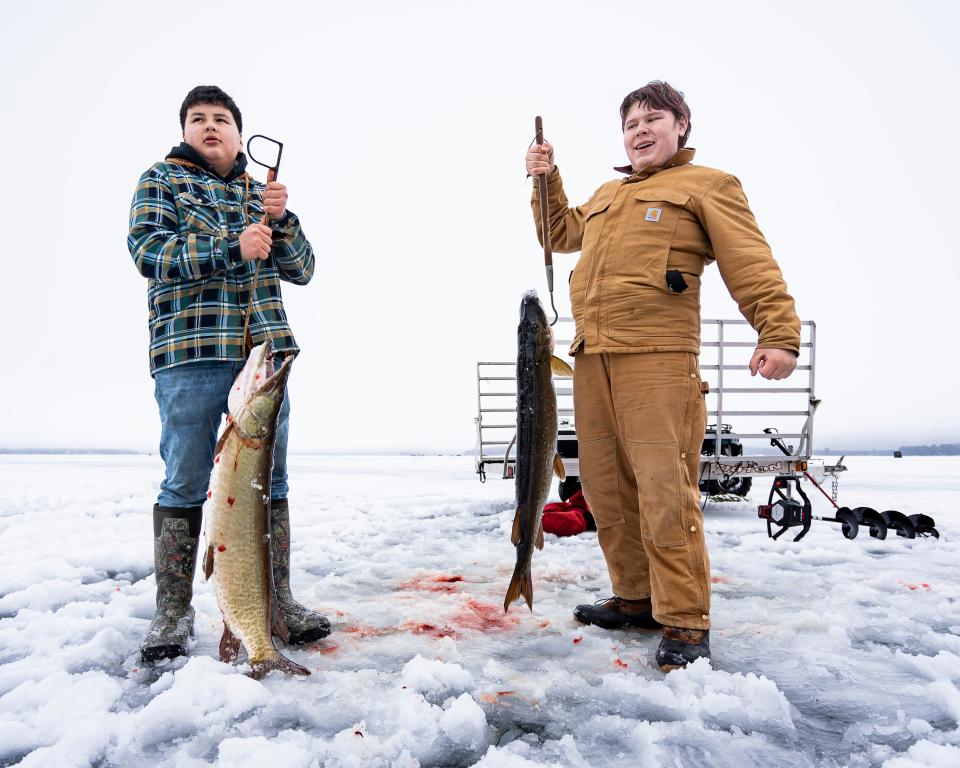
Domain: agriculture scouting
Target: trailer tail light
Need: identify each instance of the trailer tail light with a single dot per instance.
(764, 511)
(801, 466)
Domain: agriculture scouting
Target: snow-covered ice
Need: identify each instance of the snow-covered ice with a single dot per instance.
(826, 652)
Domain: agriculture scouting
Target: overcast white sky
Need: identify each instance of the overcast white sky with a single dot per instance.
(405, 126)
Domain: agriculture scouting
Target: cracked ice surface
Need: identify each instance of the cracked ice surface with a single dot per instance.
(826, 652)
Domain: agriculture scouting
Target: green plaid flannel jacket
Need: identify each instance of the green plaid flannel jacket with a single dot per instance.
(185, 223)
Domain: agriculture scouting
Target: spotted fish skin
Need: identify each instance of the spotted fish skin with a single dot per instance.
(237, 514)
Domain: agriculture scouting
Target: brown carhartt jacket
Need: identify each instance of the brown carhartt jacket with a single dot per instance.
(636, 234)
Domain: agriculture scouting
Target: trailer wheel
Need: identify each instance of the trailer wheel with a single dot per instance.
(738, 486)
(568, 487)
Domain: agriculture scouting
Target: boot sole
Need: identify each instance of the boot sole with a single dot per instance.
(159, 652)
(310, 636)
(614, 624)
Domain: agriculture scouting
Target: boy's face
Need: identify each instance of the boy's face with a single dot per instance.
(651, 136)
(211, 130)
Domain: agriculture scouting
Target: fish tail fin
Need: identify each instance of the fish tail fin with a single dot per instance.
(520, 584)
(277, 661)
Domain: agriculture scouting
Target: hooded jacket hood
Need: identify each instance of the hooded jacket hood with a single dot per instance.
(184, 151)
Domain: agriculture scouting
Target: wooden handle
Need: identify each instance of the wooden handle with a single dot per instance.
(544, 211)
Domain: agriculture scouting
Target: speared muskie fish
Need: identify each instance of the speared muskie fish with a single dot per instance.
(237, 515)
(537, 457)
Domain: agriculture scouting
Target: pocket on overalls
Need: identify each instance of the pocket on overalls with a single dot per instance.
(658, 469)
(600, 480)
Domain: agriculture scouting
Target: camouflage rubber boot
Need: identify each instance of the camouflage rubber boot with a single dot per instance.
(176, 536)
(304, 625)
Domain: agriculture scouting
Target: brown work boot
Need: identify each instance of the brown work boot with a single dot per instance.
(680, 646)
(618, 613)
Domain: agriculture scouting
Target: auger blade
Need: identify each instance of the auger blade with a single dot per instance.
(924, 526)
(869, 516)
(849, 524)
(900, 523)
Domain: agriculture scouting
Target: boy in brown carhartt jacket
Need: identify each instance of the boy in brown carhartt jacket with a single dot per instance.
(644, 242)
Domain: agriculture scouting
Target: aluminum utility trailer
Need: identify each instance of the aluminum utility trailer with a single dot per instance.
(753, 404)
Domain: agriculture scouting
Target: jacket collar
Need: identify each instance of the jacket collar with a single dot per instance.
(682, 157)
(184, 152)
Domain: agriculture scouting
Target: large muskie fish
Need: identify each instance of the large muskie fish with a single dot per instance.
(237, 515)
(537, 457)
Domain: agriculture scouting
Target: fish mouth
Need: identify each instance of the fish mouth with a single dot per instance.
(259, 375)
(531, 310)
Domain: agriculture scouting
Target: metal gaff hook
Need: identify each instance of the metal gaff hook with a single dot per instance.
(276, 166)
(545, 222)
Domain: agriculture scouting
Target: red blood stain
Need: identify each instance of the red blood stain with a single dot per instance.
(323, 650)
(719, 580)
(221, 548)
(230, 500)
(217, 460)
(432, 583)
(365, 631)
(116, 589)
(495, 698)
(543, 623)
(236, 390)
(431, 630)
(484, 617)
(209, 494)
(577, 640)
(914, 587)
(620, 663)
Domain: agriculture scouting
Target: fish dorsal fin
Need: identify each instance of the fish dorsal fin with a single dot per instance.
(208, 563)
(539, 541)
(515, 535)
(560, 367)
(558, 469)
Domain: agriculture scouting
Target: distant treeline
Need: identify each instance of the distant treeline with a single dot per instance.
(946, 449)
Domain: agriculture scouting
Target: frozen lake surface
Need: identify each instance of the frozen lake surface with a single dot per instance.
(826, 652)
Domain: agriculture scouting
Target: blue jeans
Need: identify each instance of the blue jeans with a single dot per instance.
(192, 400)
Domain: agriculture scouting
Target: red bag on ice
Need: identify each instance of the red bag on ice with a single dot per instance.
(568, 518)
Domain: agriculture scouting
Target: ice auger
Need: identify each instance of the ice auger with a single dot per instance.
(786, 511)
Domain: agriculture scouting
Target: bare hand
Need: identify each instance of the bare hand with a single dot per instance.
(540, 159)
(772, 363)
(274, 197)
(255, 242)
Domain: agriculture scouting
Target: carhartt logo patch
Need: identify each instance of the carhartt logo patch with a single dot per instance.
(653, 214)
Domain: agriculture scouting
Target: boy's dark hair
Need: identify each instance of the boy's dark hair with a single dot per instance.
(209, 94)
(658, 95)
